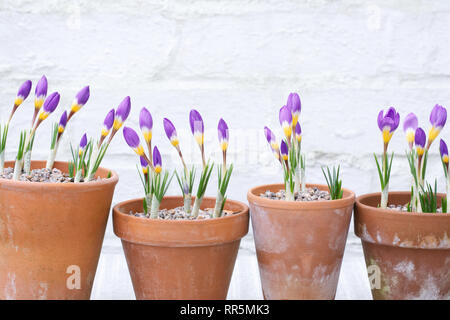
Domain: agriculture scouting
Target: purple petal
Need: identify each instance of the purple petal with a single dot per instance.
(51, 102)
(24, 89)
(131, 137)
(420, 137)
(41, 87)
(293, 102)
(298, 129)
(82, 96)
(443, 148)
(410, 122)
(169, 128)
(63, 120)
(438, 116)
(145, 119)
(285, 115)
(83, 141)
(144, 162)
(123, 110)
(222, 129)
(196, 122)
(157, 161)
(109, 119)
(270, 136)
(284, 148)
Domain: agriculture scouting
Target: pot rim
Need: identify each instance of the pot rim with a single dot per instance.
(57, 185)
(180, 221)
(252, 197)
(395, 213)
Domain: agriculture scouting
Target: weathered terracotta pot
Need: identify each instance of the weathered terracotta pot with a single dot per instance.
(48, 231)
(180, 259)
(299, 245)
(407, 253)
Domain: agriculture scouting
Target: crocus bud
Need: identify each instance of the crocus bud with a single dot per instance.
(197, 127)
(23, 93)
(123, 110)
(62, 123)
(409, 127)
(146, 124)
(438, 117)
(298, 132)
(108, 123)
(444, 152)
(222, 130)
(271, 139)
(419, 140)
(388, 123)
(50, 105)
(132, 139)
(171, 133)
(80, 99)
(284, 150)
(286, 121)
(40, 93)
(83, 144)
(157, 161)
(144, 165)
(294, 104)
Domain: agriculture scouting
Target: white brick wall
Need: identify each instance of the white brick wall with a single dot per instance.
(239, 60)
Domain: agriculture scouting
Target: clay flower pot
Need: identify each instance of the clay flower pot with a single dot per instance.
(299, 245)
(407, 254)
(180, 259)
(51, 235)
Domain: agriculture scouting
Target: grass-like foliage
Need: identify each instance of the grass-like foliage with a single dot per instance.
(428, 198)
(333, 182)
(384, 171)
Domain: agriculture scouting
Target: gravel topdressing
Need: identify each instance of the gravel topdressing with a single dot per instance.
(310, 194)
(404, 208)
(179, 214)
(40, 175)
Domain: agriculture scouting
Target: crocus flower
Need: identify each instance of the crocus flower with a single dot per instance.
(80, 100)
(144, 165)
(271, 139)
(50, 105)
(23, 93)
(146, 124)
(197, 127)
(298, 132)
(388, 123)
(285, 116)
(40, 93)
(62, 123)
(157, 162)
(122, 112)
(438, 117)
(108, 123)
(222, 129)
(419, 140)
(171, 133)
(284, 150)
(409, 127)
(132, 139)
(444, 152)
(294, 104)
(83, 144)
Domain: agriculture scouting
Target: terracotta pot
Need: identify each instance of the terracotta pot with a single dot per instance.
(299, 245)
(48, 231)
(180, 259)
(407, 253)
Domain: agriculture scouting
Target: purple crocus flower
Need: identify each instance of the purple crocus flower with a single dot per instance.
(62, 123)
(419, 140)
(298, 132)
(410, 125)
(123, 110)
(222, 130)
(40, 92)
(438, 117)
(294, 104)
(271, 139)
(284, 150)
(444, 152)
(197, 127)
(146, 124)
(80, 99)
(157, 161)
(388, 123)
(171, 132)
(83, 144)
(23, 92)
(50, 105)
(108, 123)
(132, 139)
(144, 164)
(285, 117)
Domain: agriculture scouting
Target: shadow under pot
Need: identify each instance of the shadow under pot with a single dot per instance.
(51, 235)
(180, 259)
(407, 253)
(299, 244)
